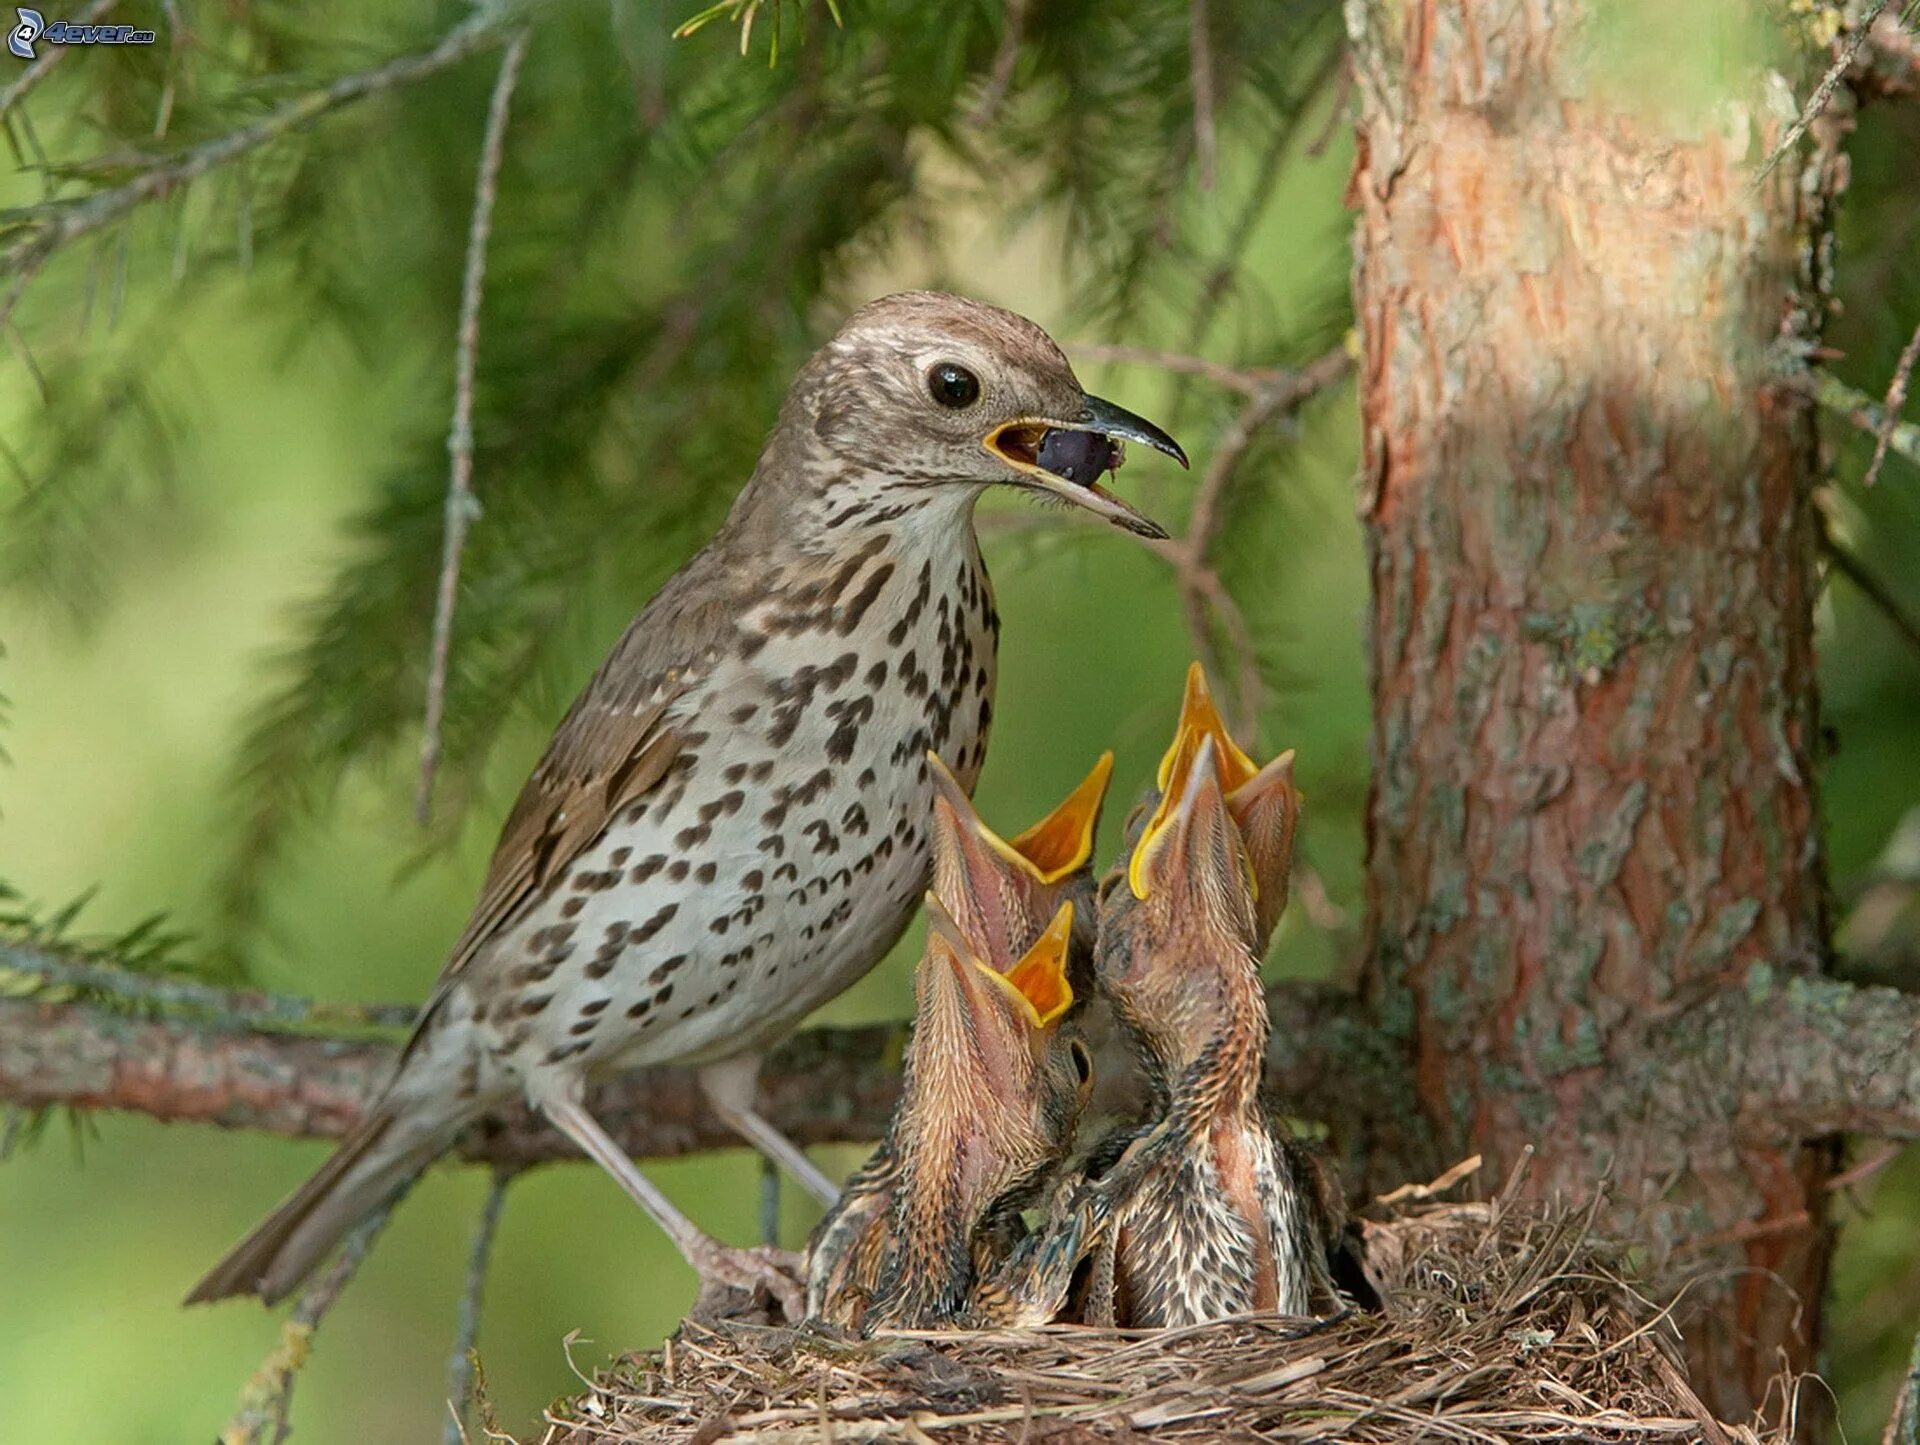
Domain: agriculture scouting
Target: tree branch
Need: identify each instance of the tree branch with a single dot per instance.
(37, 72)
(461, 507)
(1823, 92)
(267, 1396)
(40, 230)
(1783, 1058)
(1815, 1056)
(1202, 590)
(828, 1085)
(1863, 411)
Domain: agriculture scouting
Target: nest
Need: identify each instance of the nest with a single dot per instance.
(1500, 1323)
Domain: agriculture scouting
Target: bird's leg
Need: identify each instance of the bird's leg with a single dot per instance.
(730, 1087)
(715, 1263)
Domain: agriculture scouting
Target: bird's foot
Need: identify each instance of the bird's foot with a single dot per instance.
(744, 1283)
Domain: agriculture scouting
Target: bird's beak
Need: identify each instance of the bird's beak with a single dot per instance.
(1192, 843)
(1200, 721)
(1066, 458)
(1061, 843)
(1005, 1015)
(997, 890)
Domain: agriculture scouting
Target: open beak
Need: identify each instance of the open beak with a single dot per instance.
(1191, 843)
(1003, 1012)
(1066, 458)
(998, 891)
(1262, 801)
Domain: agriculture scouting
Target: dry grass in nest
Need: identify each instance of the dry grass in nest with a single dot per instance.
(1501, 1324)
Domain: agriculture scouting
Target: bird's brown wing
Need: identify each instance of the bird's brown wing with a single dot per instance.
(607, 753)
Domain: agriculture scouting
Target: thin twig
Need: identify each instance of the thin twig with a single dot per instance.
(267, 1396)
(1864, 412)
(1866, 1168)
(1903, 1425)
(1248, 381)
(1240, 236)
(1875, 591)
(1206, 142)
(1890, 408)
(37, 72)
(1817, 102)
(1000, 71)
(460, 504)
(1205, 596)
(40, 230)
(466, 1333)
(1282, 395)
(232, 1008)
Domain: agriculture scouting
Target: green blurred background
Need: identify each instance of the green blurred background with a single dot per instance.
(225, 425)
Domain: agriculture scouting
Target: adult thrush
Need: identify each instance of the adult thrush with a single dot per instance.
(730, 824)
(993, 1087)
(1212, 1210)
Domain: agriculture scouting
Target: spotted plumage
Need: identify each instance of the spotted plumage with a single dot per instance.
(992, 1092)
(1211, 1209)
(1207, 1208)
(728, 827)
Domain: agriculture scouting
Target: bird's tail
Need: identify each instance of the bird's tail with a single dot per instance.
(383, 1152)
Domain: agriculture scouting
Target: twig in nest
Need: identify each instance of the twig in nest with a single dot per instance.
(460, 1367)
(1822, 93)
(1465, 1169)
(268, 1394)
(460, 503)
(1890, 409)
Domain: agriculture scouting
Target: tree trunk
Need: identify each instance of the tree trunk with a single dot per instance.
(1587, 501)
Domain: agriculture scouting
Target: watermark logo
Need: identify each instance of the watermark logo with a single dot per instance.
(20, 42)
(33, 27)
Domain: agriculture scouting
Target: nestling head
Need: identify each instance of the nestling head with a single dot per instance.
(930, 390)
(1185, 919)
(1002, 892)
(994, 1088)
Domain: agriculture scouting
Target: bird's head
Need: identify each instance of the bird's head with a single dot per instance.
(1261, 799)
(995, 1085)
(1187, 915)
(931, 390)
(1002, 892)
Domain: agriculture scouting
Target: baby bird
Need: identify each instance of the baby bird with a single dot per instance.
(993, 1087)
(1211, 1210)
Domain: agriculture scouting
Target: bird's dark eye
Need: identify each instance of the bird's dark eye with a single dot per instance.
(953, 386)
(1082, 1062)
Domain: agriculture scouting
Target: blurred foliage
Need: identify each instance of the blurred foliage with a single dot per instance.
(224, 432)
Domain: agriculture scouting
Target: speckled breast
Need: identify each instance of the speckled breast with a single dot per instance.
(787, 849)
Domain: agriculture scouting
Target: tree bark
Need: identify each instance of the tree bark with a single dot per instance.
(1587, 502)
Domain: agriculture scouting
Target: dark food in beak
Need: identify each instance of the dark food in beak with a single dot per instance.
(1067, 452)
(1079, 456)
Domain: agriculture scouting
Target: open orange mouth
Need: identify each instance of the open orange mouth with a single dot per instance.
(1053, 847)
(1200, 721)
